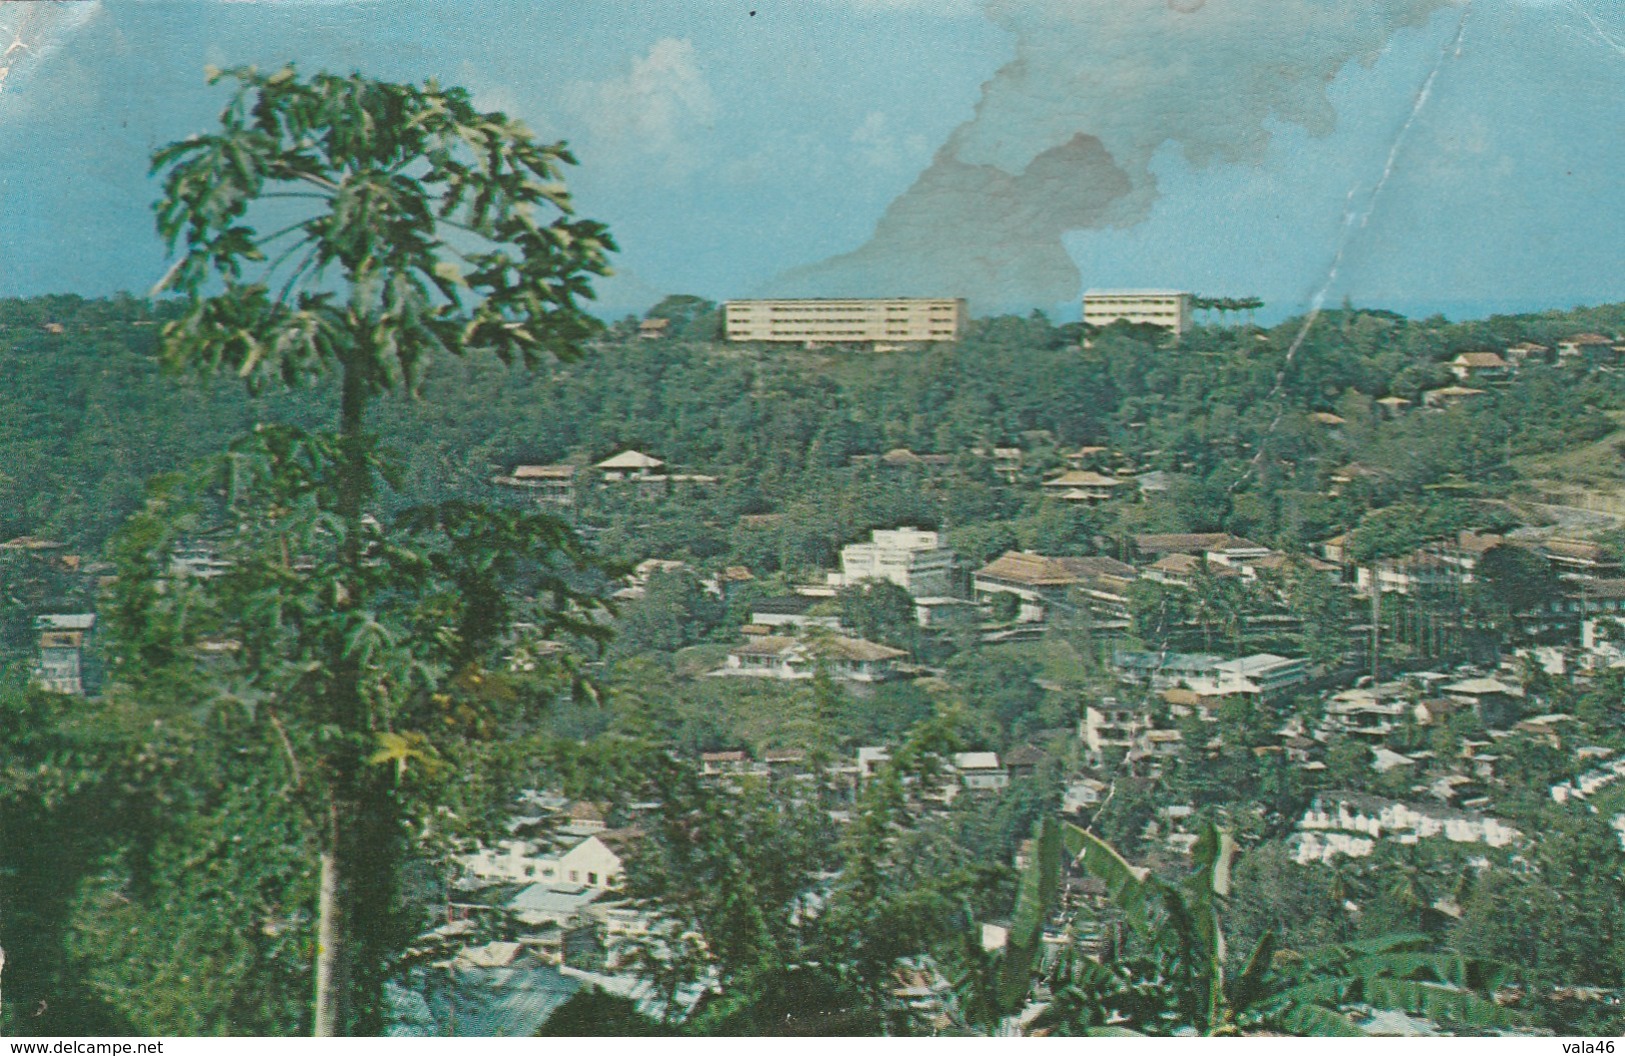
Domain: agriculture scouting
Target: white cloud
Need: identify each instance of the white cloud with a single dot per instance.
(652, 111)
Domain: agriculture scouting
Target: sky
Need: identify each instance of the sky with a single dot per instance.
(1419, 155)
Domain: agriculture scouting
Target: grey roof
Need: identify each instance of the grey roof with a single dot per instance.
(1170, 663)
(785, 605)
(478, 1002)
(540, 898)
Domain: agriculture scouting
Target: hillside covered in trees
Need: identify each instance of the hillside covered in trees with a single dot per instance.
(170, 807)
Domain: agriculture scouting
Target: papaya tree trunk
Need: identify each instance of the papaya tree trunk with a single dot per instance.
(330, 949)
(339, 953)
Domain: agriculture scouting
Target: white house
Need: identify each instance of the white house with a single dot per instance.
(1351, 824)
(1262, 674)
(913, 559)
(794, 659)
(590, 863)
(1082, 794)
(1111, 723)
(981, 771)
(581, 862)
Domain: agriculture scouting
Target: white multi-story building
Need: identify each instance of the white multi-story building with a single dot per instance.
(1111, 723)
(890, 320)
(1170, 309)
(1262, 674)
(913, 559)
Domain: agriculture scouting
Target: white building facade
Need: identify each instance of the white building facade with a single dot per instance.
(899, 320)
(913, 559)
(1169, 309)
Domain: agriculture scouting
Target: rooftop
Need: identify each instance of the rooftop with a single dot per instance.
(630, 460)
(553, 472)
(541, 898)
(1082, 478)
(1191, 542)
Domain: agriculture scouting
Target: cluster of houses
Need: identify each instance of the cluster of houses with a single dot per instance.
(533, 918)
(558, 485)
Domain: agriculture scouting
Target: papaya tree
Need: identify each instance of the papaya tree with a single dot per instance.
(345, 231)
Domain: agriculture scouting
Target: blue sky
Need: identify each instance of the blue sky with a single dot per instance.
(1229, 146)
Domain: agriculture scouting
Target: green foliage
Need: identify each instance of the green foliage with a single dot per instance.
(880, 611)
(1509, 580)
(1173, 975)
(393, 168)
(675, 611)
(803, 924)
(425, 230)
(691, 318)
(590, 1012)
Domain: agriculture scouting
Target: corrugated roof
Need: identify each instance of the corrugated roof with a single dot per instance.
(1030, 569)
(856, 649)
(1189, 542)
(540, 898)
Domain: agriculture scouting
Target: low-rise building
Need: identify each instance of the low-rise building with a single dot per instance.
(940, 613)
(1580, 559)
(1365, 712)
(794, 659)
(1450, 395)
(570, 861)
(1480, 366)
(981, 771)
(1496, 703)
(546, 905)
(1588, 346)
(792, 610)
(1084, 486)
(1083, 794)
(630, 465)
(1162, 670)
(1261, 675)
(1041, 581)
(1152, 546)
(1419, 572)
(62, 638)
(1524, 351)
(1351, 824)
(551, 485)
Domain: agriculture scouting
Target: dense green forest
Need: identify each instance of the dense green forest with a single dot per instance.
(89, 418)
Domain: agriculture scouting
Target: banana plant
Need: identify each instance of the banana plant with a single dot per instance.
(1172, 977)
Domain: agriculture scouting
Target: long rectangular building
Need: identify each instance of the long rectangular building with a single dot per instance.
(1170, 309)
(821, 321)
